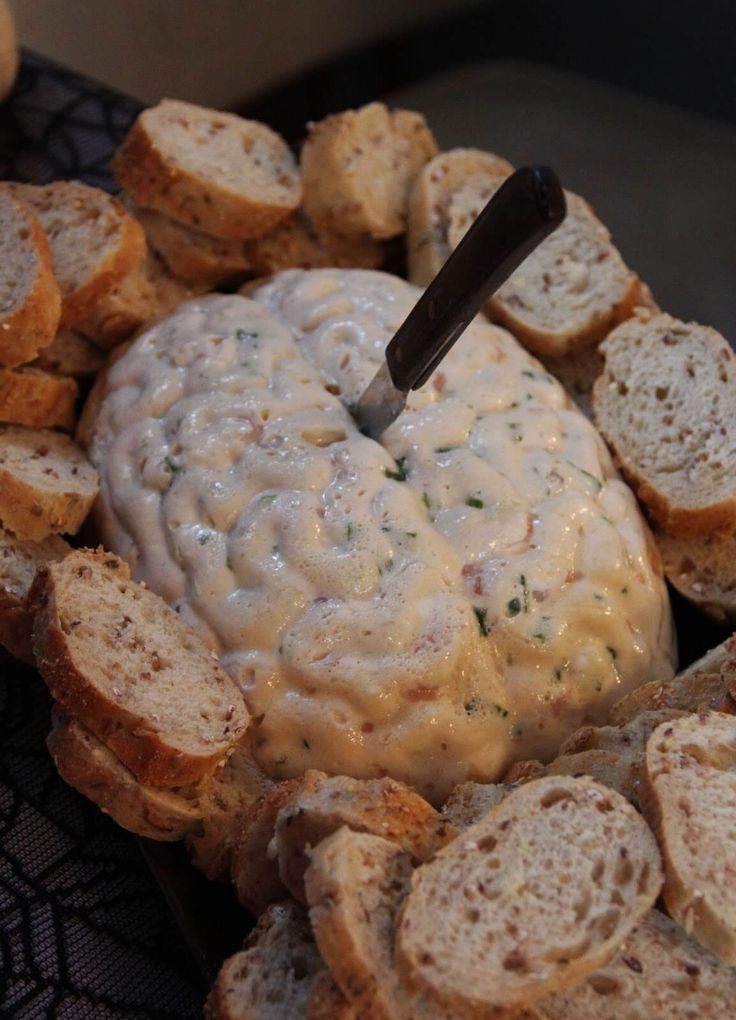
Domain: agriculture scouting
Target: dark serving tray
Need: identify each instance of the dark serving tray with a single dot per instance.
(84, 928)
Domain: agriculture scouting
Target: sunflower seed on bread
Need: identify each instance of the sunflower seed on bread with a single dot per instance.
(31, 301)
(47, 485)
(530, 900)
(92, 769)
(119, 659)
(19, 561)
(271, 977)
(94, 241)
(690, 799)
(214, 171)
(666, 404)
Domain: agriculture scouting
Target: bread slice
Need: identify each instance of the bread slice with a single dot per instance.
(93, 770)
(294, 245)
(271, 978)
(706, 684)
(529, 901)
(190, 254)
(224, 805)
(666, 404)
(469, 802)
(229, 177)
(70, 354)
(658, 974)
(429, 203)
(19, 562)
(253, 865)
(690, 799)
(31, 301)
(120, 660)
(146, 293)
(358, 167)
(383, 807)
(326, 1001)
(703, 569)
(30, 396)
(47, 485)
(94, 241)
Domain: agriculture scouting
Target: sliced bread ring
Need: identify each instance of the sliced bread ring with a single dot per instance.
(36, 398)
(19, 561)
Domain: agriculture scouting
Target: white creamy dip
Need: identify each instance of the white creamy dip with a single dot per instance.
(431, 610)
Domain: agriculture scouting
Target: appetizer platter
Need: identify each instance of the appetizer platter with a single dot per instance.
(416, 697)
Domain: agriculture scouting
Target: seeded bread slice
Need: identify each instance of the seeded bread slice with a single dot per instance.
(146, 293)
(271, 978)
(703, 569)
(383, 807)
(690, 799)
(94, 241)
(213, 171)
(666, 404)
(658, 974)
(229, 797)
(30, 396)
(294, 245)
(469, 802)
(531, 900)
(116, 657)
(358, 167)
(190, 254)
(29, 293)
(47, 485)
(326, 1001)
(71, 354)
(19, 562)
(94, 771)
(709, 683)
(429, 203)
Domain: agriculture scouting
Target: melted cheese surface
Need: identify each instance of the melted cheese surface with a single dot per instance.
(432, 608)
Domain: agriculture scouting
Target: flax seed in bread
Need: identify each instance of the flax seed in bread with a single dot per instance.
(703, 569)
(358, 168)
(666, 404)
(271, 977)
(429, 202)
(93, 770)
(213, 171)
(117, 657)
(383, 807)
(29, 293)
(19, 561)
(690, 800)
(94, 241)
(70, 354)
(531, 900)
(47, 485)
(39, 399)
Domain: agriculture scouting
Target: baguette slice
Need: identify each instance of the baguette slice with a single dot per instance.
(19, 562)
(70, 354)
(94, 771)
(116, 657)
(47, 485)
(690, 799)
(94, 241)
(429, 202)
(30, 396)
(294, 245)
(146, 293)
(271, 978)
(531, 900)
(227, 800)
(703, 569)
(358, 167)
(326, 1001)
(383, 807)
(707, 684)
(31, 301)
(469, 802)
(213, 171)
(666, 404)
(658, 974)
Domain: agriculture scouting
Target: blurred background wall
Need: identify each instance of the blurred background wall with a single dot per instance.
(218, 52)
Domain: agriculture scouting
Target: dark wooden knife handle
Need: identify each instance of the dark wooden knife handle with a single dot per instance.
(527, 207)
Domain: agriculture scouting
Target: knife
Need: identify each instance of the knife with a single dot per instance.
(527, 207)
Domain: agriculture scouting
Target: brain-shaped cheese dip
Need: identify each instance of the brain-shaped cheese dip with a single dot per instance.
(431, 608)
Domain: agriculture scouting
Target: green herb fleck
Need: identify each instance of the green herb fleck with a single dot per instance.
(204, 537)
(474, 502)
(400, 474)
(539, 636)
(306, 744)
(503, 712)
(388, 565)
(171, 466)
(444, 449)
(517, 731)
(516, 430)
(244, 334)
(266, 499)
(481, 615)
(513, 606)
(384, 527)
(472, 706)
(411, 534)
(426, 500)
(624, 590)
(350, 530)
(528, 374)
(557, 673)
(612, 652)
(596, 481)
(525, 590)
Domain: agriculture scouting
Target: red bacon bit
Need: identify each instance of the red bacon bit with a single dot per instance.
(421, 694)
(439, 382)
